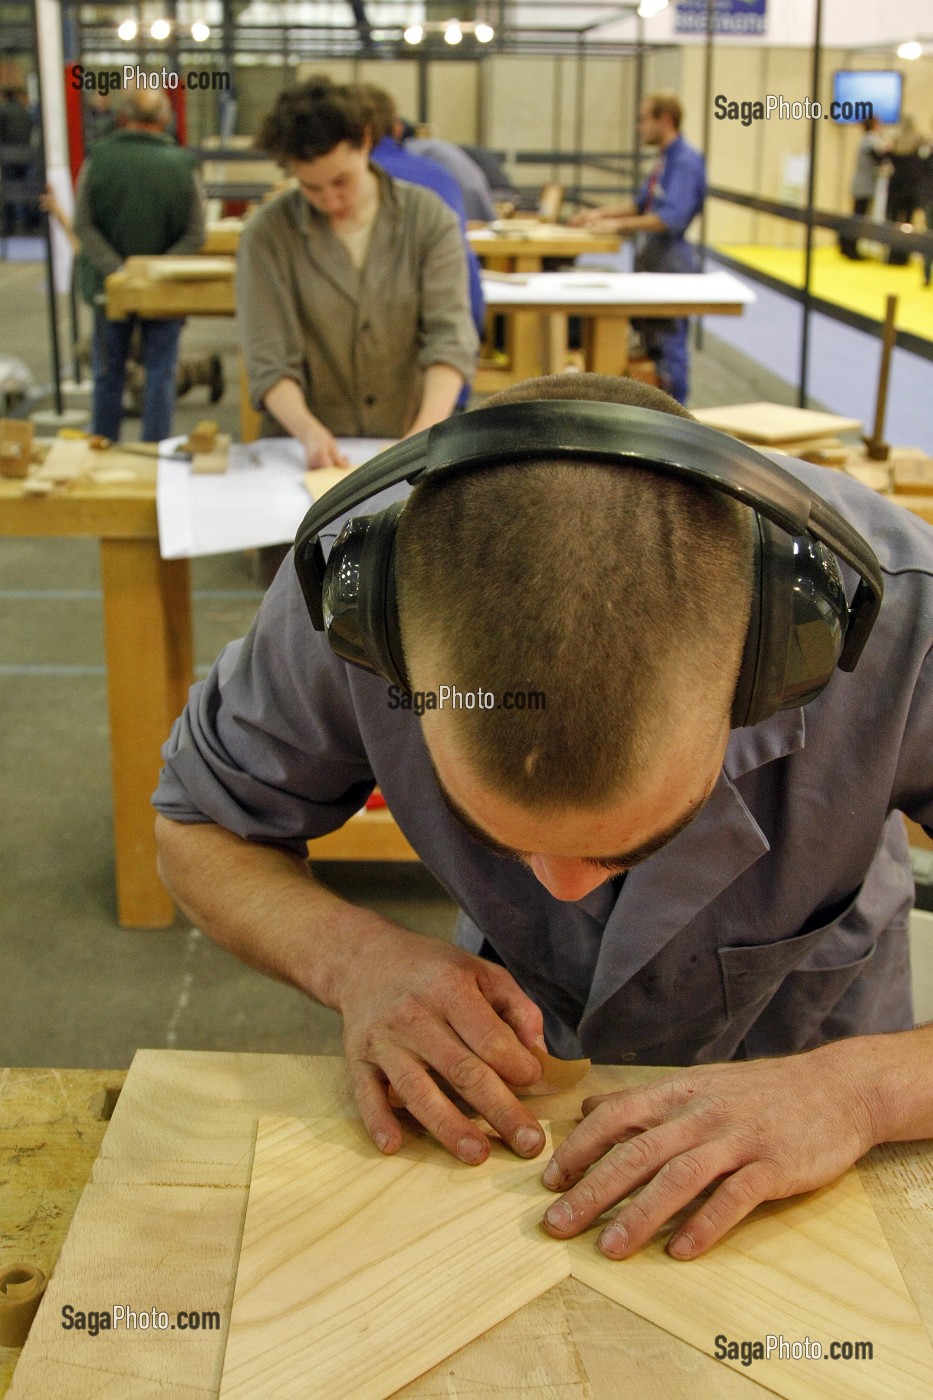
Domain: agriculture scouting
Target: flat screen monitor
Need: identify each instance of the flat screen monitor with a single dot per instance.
(858, 96)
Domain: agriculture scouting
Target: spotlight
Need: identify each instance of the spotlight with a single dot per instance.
(413, 34)
(127, 30)
(200, 31)
(649, 8)
(910, 50)
(484, 33)
(161, 29)
(453, 33)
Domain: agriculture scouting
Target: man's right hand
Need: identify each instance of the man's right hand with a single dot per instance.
(420, 1005)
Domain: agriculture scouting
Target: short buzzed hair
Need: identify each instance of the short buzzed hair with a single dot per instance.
(666, 104)
(620, 592)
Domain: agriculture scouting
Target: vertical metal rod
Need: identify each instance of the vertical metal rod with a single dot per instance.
(707, 133)
(47, 233)
(578, 111)
(422, 87)
(639, 94)
(556, 113)
(811, 191)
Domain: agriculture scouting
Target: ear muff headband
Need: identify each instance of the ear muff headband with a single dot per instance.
(592, 431)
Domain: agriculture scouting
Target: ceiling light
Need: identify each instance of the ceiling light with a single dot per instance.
(649, 8)
(413, 34)
(453, 33)
(910, 50)
(127, 30)
(161, 29)
(484, 33)
(200, 31)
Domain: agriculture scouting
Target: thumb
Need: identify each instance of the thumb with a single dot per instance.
(508, 1000)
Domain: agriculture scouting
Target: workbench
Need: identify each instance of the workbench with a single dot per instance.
(161, 1224)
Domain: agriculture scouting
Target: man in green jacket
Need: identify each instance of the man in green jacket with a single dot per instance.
(138, 193)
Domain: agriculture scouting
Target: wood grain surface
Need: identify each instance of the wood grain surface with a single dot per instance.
(358, 1273)
(165, 1210)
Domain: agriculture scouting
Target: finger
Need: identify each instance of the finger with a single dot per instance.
(483, 1089)
(616, 1118)
(731, 1202)
(369, 1090)
(620, 1171)
(517, 1023)
(427, 1103)
(678, 1182)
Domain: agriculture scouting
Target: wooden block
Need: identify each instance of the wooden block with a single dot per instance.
(354, 1280)
(357, 1273)
(203, 436)
(911, 471)
(15, 447)
(216, 460)
(65, 460)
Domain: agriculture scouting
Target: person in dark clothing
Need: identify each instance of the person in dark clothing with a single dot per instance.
(904, 185)
(871, 153)
(138, 192)
(17, 128)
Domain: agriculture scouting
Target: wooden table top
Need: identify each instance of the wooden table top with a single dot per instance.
(108, 510)
(495, 241)
(179, 1145)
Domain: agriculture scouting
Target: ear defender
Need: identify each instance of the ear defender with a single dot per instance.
(801, 628)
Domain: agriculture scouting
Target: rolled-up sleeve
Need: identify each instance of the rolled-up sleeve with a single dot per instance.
(447, 334)
(266, 308)
(268, 745)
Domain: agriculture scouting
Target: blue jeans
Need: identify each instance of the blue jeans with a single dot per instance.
(159, 355)
(666, 343)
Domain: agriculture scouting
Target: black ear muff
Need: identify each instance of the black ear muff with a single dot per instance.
(761, 676)
(359, 601)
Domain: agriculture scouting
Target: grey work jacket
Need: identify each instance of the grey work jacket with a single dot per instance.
(774, 922)
(355, 341)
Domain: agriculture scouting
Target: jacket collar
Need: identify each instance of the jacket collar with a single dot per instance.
(327, 252)
(662, 896)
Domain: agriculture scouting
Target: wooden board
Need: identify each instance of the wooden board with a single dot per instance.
(167, 1200)
(357, 1273)
(774, 423)
(354, 1280)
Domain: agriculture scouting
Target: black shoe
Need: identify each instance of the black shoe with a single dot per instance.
(217, 385)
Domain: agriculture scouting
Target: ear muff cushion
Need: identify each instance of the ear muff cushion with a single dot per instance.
(760, 688)
(378, 599)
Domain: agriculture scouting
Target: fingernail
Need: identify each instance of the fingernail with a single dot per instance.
(551, 1175)
(559, 1215)
(469, 1149)
(528, 1141)
(381, 1140)
(613, 1240)
(541, 1043)
(682, 1246)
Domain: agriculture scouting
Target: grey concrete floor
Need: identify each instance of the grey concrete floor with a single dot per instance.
(75, 988)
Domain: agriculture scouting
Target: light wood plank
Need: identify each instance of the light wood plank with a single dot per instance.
(363, 1272)
(816, 1266)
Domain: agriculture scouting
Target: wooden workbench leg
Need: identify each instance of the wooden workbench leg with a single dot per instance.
(147, 625)
(554, 327)
(609, 345)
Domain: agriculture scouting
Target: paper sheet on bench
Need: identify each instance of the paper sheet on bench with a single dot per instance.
(260, 499)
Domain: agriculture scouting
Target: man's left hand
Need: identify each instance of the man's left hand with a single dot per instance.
(762, 1129)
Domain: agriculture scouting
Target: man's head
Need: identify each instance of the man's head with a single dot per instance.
(319, 134)
(659, 118)
(621, 594)
(146, 109)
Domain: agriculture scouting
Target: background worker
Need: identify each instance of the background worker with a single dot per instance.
(665, 206)
(642, 864)
(352, 297)
(872, 151)
(138, 192)
(470, 176)
(385, 130)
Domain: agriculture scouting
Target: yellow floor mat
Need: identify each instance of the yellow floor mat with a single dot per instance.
(857, 286)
